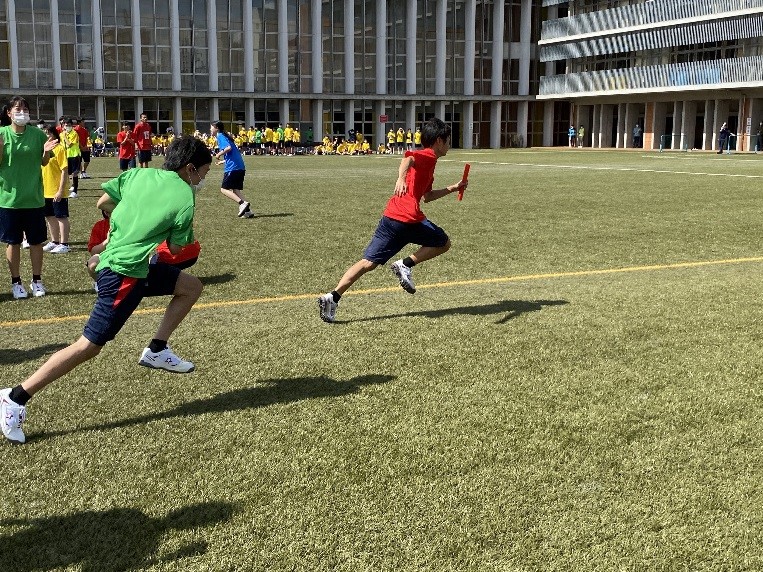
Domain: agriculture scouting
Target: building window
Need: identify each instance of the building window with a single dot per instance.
(333, 30)
(35, 49)
(75, 28)
(155, 51)
(230, 45)
(265, 35)
(300, 46)
(116, 31)
(194, 45)
(365, 47)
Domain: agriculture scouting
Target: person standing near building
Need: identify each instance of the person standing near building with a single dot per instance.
(234, 171)
(84, 147)
(723, 138)
(581, 136)
(637, 133)
(126, 147)
(23, 150)
(400, 140)
(403, 222)
(141, 134)
(140, 221)
(417, 138)
(70, 141)
(391, 140)
(572, 136)
(759, 141)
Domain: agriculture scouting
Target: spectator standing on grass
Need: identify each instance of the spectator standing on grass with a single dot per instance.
(70, 141)
(637, 133)
(572, 136)
(84, 146)
(581, 136)
(139, 222)
(759, 141)
(126, 148)
(403, 222)
(54, 183)
(400, 140)
(141, 134)
(234, 170)
(23, 150)
(723, 138)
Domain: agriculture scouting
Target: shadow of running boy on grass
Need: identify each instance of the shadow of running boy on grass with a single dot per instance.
(113, 540)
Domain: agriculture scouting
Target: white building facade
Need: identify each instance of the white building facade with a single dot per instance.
(678, 69)
(324, 65)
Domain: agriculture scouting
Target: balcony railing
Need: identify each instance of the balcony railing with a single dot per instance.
(648, 14)
(742, 72)
(706, 32)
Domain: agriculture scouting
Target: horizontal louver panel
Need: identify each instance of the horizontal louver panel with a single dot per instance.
(697, 75)
(646, 14)
(740, 28)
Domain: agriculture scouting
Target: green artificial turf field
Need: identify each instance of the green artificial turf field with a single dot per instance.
(575, 386)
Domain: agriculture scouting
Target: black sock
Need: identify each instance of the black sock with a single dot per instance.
(18, 395)
(335, 295)
(241, 202)
(15, 279)
(36, 277)
(408, 261)
(157, 345)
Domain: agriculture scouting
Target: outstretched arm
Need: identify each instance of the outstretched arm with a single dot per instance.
(435, 194)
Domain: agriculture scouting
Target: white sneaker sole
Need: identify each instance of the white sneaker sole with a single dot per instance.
(404, 284)
(152, 366)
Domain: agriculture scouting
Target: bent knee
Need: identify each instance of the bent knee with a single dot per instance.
(188, 285)
(446, 246)
(368, 265)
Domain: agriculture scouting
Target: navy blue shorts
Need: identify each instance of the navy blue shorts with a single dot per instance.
(125, 164)
(58, 209)
(233, 180)
(144, 156)
(15, 223)
(85, 156)
(391, 236)
(73, 165)
(119, 295)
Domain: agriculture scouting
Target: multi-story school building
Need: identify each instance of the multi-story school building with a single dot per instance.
(677, 69)
(503, 73)
(325, 64)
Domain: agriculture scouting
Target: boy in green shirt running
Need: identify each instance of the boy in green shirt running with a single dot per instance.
(139, 223)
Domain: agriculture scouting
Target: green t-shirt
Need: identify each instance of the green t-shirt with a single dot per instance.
(153, 205)
(20, 168)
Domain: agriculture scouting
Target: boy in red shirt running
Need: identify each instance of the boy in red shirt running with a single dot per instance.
(403, 222)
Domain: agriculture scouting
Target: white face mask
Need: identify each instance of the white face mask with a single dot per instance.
(21, 118)
(197, 186)
(68, 128)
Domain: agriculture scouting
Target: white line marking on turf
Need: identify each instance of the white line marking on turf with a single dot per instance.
(478, 281)
(624, 169)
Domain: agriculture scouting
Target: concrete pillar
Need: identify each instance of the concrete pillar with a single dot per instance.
(441, 24)
(283, 47)
(469, 50)
(379, 132)
(212, 52)
(688, 125)
(496, 76)
(708, 133)
(97, 50)
(13, 46)
(55, 39)
(522, 117)
(677, 124)
(381, 47)
(756, 115)
(495, 124)
(283, 111)
(631, 117)
(658, 121)
(317, 63)
(596, 126)
(548, 124)
(248, 56)
(467, 133)
(137, 62)
(410, 114)
(349, 47)
(177, 115)
(620, 141)
(583, 115)
(318, 120)
(606, 121)
(410, 48)
(720, 117)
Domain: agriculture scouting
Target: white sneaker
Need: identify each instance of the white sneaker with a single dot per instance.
(50, 247)
(327, 307)
(24, 243)
(61, 249)
(84, 176)
(18, 291)
(403, 274)
(243, 208)
(72, 193)
(166, 360)
(38, 289)
(12, 417)
(71, 189)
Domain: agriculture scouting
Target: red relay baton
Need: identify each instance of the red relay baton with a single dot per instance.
(465, 178)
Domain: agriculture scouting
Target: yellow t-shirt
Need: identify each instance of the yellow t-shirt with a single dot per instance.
(51, 174)
(391, 137)
(70, 141)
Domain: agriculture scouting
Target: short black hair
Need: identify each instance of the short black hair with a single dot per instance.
(433, 130)
(186, 150)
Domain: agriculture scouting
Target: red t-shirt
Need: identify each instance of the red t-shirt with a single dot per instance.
(419, 179)
(186, 253)
(83, 135)
(98, 234)
(142, 136)
(126, 147)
